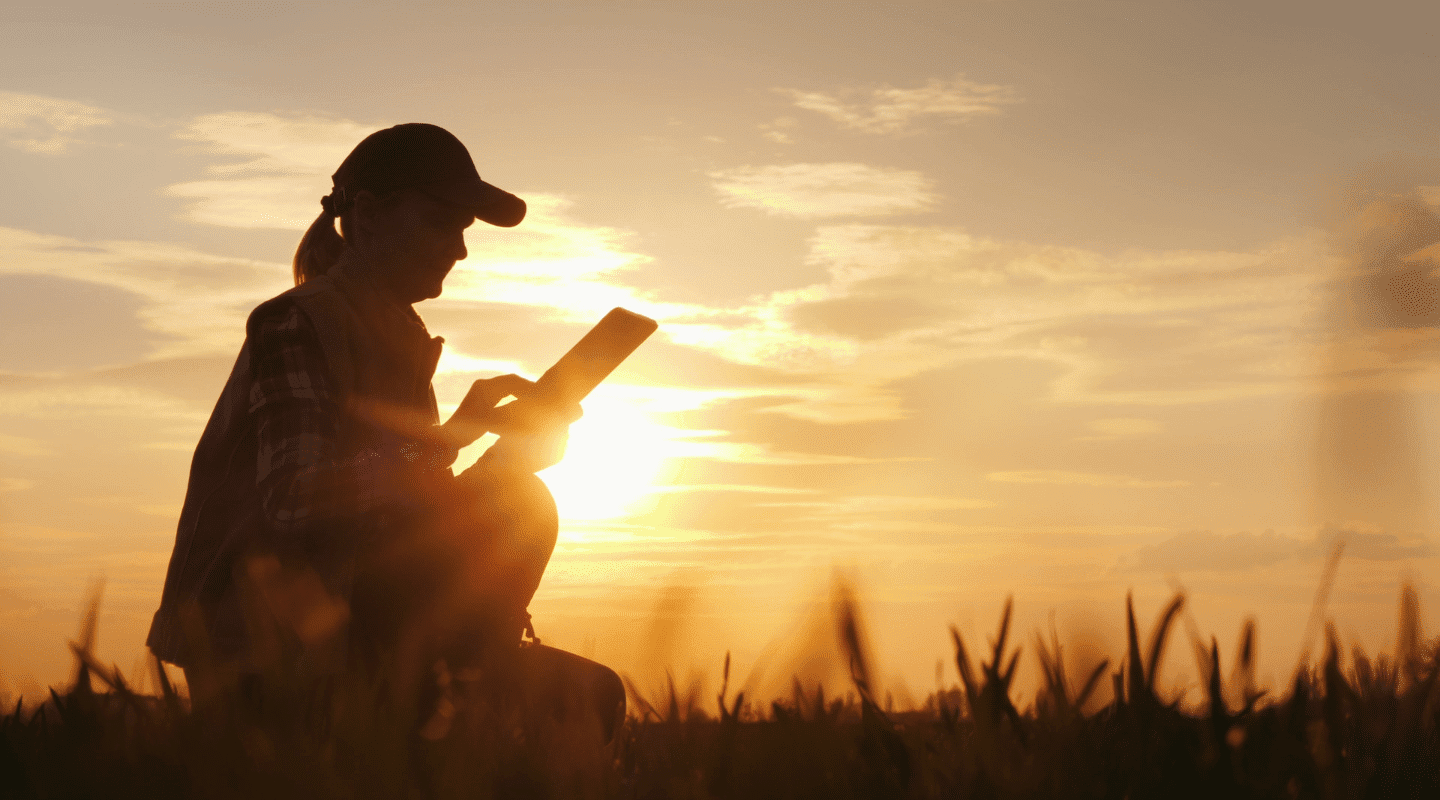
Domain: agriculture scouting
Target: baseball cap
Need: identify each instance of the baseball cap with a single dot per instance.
(417, 155)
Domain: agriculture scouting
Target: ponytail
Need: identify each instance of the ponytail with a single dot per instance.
(320, 247)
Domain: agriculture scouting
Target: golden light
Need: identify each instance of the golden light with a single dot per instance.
(619, 458)
(615, 457)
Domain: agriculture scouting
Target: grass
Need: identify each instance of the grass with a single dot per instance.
(1369, 730)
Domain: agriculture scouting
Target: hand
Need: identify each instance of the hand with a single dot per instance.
(525, 452)
(480, 413)
(473, 418)
(532, 416)
(533, 434)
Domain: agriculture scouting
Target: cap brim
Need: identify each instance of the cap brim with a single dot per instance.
(488, 203)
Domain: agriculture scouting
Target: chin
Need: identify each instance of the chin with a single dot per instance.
(425, 291)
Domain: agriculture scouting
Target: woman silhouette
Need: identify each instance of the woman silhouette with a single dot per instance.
(322, 527)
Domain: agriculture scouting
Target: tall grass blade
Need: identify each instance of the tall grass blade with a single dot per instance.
(962, 665)
(1317, 607)
(847, 618)
(1091, 683)
(1157, 641)
(1136, 678)
(1408, 647)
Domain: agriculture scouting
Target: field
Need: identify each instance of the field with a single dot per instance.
(1348, 727)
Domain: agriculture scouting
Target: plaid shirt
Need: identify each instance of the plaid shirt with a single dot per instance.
(304, 480)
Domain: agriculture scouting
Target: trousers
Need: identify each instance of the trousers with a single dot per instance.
(456, 589)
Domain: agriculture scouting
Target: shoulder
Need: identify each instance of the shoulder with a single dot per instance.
(316, 292)
(314, 321)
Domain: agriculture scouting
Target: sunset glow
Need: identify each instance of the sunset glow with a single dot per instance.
(967, 300)
(612, 464)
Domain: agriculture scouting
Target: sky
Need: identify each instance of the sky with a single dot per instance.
(957, 300)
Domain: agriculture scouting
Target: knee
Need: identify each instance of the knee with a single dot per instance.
(533, 516)
(609, 694)
(522, 498)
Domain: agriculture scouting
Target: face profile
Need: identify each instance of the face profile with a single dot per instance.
(411, 240)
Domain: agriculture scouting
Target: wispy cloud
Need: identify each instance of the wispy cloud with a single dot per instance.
(1065, 478)
(779, 130)
(274, 169)
(71, 402)
(1208, 551)
(281, 167)
(889, 504)
(550, 261)
(891, 110)
(1362, 541)
(38, 124)
(1138, 328)
(23, 446)
(824, 190)
(197, 300)
(1120, 428)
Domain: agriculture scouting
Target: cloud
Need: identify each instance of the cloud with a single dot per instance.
(1366, 543)
(23, 446)
(748, 453)
(888, 110)
(38, 124)
(1130, 329)
(779, 130)
(1120, 428)
(190, 302)
(731, 487)
(888, 504)
(1065, 478)
(86, 402)
(283, 168)
(276, 167)
(16, 484)
(552, 262)
(824, 190)
(50, 324)
(1213, 552)
(1137, 328)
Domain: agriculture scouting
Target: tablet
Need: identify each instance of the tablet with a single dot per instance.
(595, 356)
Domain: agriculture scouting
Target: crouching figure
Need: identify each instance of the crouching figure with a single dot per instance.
(323, 529)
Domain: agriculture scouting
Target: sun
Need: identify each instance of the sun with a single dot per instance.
(620, 458)
(615, 456)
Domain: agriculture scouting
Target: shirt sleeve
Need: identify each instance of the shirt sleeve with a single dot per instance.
(296, 409)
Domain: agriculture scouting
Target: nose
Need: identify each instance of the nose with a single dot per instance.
(460, 251)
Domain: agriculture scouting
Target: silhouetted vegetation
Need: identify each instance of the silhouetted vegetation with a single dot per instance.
(1369, 730)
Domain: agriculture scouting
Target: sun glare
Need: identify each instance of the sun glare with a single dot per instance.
(615, 457)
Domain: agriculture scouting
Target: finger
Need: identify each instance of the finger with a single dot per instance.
(503, 419)
(558, 417)
(512, 384)
(515, 418)
(502, 386)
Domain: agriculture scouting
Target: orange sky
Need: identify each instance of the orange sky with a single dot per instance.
(960, 299)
